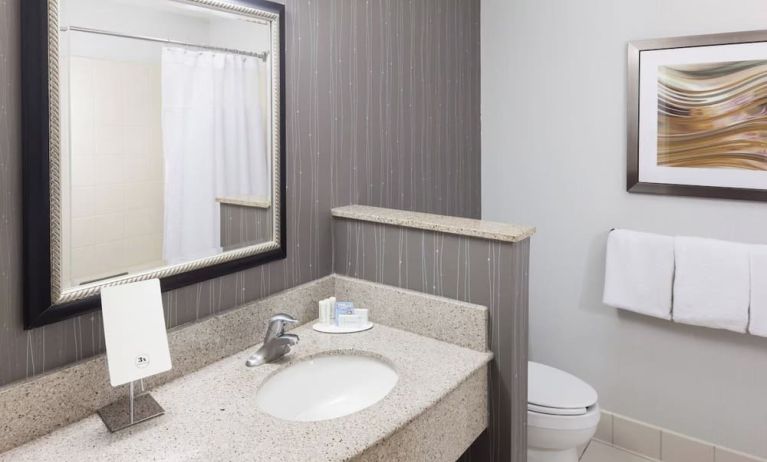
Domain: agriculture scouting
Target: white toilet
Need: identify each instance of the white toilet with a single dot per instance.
(562, 414)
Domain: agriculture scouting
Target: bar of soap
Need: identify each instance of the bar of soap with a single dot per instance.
(363, 314)
(343, 308)
(350, 321)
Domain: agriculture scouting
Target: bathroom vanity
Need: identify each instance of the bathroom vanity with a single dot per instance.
(212, 414)
(436, 409)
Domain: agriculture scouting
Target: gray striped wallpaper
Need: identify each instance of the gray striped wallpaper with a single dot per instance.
(242, 226)
(383, 109)
(486, 272)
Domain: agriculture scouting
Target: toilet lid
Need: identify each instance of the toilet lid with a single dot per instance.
(552, 391)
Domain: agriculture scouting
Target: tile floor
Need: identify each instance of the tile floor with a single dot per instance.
(601, 452)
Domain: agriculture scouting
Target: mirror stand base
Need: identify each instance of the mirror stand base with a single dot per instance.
(130, 411)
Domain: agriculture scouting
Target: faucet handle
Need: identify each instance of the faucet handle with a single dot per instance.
(282, 317)
(277, 325)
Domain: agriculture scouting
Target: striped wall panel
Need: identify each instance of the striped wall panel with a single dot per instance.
(382, 109)
(486, 272)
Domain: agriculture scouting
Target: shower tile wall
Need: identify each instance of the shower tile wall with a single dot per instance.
(490, 273)
(382, 109)
(117, 168)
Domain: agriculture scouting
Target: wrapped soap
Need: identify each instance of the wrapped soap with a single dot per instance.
(343, 308)
(363, 314)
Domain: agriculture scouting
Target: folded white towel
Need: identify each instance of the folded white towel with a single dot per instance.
(639, 272)
(758, 325)
(711, 285)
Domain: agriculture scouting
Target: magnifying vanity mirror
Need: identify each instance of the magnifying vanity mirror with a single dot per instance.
(154, 145)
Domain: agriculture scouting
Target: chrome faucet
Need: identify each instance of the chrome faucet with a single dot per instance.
(276, 342)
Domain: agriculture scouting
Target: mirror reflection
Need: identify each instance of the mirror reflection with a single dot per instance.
(166, 126)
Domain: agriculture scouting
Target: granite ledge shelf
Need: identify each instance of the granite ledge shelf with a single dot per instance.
(441, 223)
(245, 201)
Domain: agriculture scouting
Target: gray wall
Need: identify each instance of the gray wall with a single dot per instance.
(383, 109)
(489, 273)
(554, 140)
(242, 226)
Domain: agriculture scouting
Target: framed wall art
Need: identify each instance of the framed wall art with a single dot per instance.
(697, 116)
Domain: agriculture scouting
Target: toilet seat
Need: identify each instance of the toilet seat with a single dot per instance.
(564, 422)
(557, 393)
(556, 411)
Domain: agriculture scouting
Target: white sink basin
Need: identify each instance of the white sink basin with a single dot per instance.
(326, 387)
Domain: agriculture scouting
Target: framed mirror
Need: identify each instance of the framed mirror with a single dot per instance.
(153, 142)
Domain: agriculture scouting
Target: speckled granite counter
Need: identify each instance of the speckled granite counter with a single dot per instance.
(505, 232)
(437, 408)
(245, 201)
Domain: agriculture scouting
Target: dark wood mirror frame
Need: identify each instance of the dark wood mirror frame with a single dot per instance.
(40, 307)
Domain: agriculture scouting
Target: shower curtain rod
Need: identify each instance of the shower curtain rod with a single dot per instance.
(261, 56)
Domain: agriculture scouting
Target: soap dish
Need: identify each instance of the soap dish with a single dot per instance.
(333, 329)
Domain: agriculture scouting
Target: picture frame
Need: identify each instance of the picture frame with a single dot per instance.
(695, 125)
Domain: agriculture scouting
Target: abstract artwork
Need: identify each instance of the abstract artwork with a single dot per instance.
(713, 115)
(698, 116)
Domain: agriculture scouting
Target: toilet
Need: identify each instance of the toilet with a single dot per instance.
(562, 414)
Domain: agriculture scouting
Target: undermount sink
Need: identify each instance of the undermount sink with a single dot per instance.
(326, 387)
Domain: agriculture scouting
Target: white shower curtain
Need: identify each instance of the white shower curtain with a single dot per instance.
(214, 142)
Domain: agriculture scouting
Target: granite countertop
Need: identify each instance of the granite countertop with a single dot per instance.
(245, 201)
(441, 223)
(211, 414)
